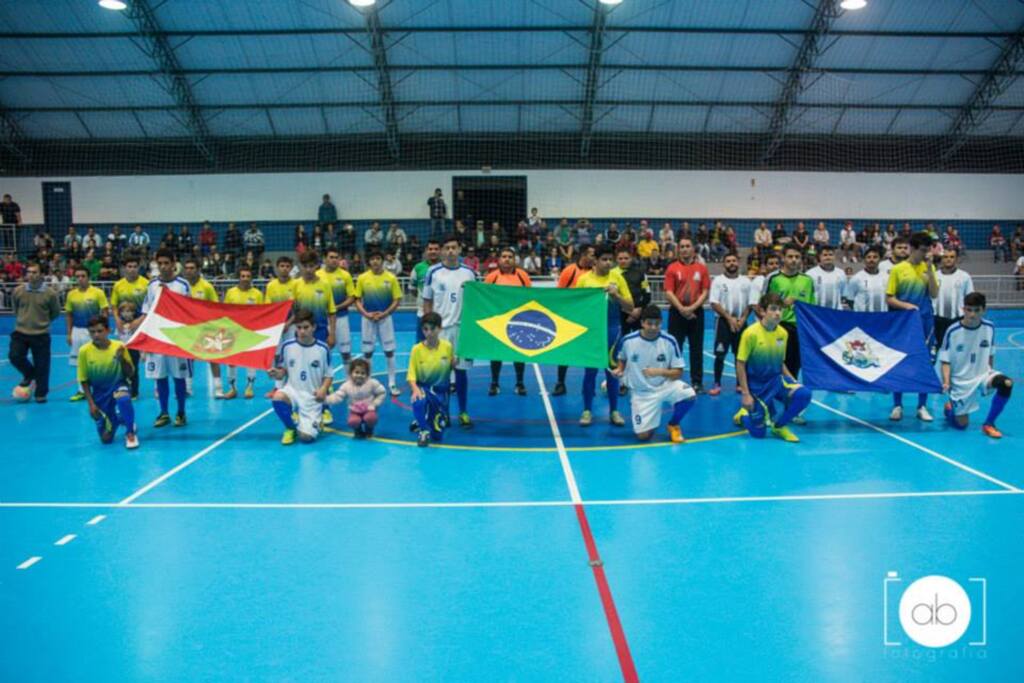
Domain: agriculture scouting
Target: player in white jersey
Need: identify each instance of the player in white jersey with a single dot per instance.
(968, 368)
(652, 365)
(730, 299)
(829, 281)
(158, 366)
(443, 294)
(304, 363)
(954, 284)
(900, 252)
(866, 289)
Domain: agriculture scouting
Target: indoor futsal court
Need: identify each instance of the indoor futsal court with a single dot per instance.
(792, 229)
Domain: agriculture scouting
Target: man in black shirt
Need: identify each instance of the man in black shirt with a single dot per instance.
(633, 273)
(438, 213)
(10, 212)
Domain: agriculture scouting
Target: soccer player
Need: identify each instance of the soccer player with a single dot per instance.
(158, 366)
(304, 366)
(344, 289)
(968, 356)
(764, 377)
(377, 296)
(791, 285)
(730, 299)
(431, 256)
(430, 366)
(204, 291)
(900, 250)
(654, 366)
(244, 294)
(281, 288)
(567, 279)
(912, 286)
(509, 275)
(639, 288)
(866, 289)
(686, 287)
(619, 299)
(954, 284)
(829, 281)
(315, 295)
(129, 289)
(442, 294)
(104, 369)
(83, 303)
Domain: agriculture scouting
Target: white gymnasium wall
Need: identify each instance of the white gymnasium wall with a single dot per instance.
(623, 194)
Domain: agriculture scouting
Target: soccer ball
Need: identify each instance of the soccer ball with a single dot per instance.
(21, 393)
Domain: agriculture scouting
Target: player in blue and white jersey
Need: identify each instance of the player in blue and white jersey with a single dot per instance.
(304, 363)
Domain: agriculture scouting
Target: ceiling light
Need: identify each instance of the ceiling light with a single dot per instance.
(853, 4)
(362, 3)
(610, 2)
(113, 4)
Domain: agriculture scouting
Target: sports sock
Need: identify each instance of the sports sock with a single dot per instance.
(797, 402)
(420, 411)
(495, 371)
(126, 413)
(680, 409)
(180, 395)
(391, 370)
(163, 394)
(613, 390)
(998, 403)
(284, 411)
(461, 389)
(589, 388)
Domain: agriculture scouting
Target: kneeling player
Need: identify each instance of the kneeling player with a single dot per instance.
(304, 365)
(430, 364)
(764, 378)
(968, 357)
(104, 371)
(653, 365)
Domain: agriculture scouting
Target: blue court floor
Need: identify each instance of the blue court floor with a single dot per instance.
(524, 549)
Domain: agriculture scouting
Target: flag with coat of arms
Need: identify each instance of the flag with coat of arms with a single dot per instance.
(850, 351)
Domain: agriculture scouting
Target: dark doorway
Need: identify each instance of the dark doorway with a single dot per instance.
(489, 199)
(57, 207)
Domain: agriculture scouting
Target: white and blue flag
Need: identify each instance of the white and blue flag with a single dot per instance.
(850, 351)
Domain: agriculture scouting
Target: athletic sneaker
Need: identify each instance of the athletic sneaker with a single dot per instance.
(586, 419)
(464, 420)
(785, 434)
(799, 420)
(947, 409)
(897, 413)
(162, 420)
(698, 388)
(737, 419)
(520, 389)
(923, 415)
(395, 391)
(77, 396)
(615, 417)
(559, 389)
(231, 393)
(249, 393)
(131, 441)
(493, 390)
(715, 390)
(675, 434)
(218, 393)
(327, 417)
(180, 420)
(288, 438)
(991, 431)
(414, 426)
(424, 439)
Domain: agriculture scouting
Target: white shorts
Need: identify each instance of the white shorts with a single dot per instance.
(646, 406)
(382, 329)
(310, 411)
(966, 396)
(79, 338)
(451, 334)
(343, 335)
(159, 366)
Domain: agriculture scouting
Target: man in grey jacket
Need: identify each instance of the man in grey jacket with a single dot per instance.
(35, 306)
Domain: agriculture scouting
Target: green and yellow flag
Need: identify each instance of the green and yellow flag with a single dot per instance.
(537, 325)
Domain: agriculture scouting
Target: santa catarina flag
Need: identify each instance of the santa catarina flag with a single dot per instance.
(234, 334)
(537, 325)
(848, 351)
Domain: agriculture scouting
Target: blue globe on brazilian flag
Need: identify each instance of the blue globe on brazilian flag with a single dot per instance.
(540, 325)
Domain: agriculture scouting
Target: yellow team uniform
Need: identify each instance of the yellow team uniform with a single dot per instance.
(316, 297)
(202, 289)
(377, 292)
(279, 291)
(431, 367)
(134, 292)
(246, 297)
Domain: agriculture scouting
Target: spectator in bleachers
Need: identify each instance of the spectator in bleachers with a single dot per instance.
(521, 238)
(301, 239)
(392, 263)
(438, 213)
(612, 235)
(1017, 242)
(820, 236)
(906, 231)
(552, 264)
(117, 239)
(13, 269)
(374, 237)
(684, 232)
(999, 245)
(347, 239)
(848, 243)
(531, 263)
(656, 263)
(951, 239)
(138, 241)
(762, 241)
(470, 260)
(563, 233)
(801, 238)
(717, 242)
(232, 241)
(666, 236)
(535, 222)
(330, 238)
(267, 270)
(780, 238)
(479, 235)
(317, 239)
(490, 263)
(645, 247)
(254, 241)
(584, 236)
(730, 241)
(464, 236)
(888, 237)
(169, 240)
(396, 238)
(356, 265)
(251, 262)
(92, 264)
(108, 268)
(72, 243)
(91, 240)
(702, 243)
(186, 243)
(327, 212)
(207, 239)
(1018, 270)
(229, 265)
(42, 243)
(10, 212)
(109, 252)
(566, 248)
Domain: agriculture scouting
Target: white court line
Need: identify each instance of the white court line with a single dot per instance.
(29, 562)
(563, 456)
(66, 539)
(530, 503)
(96, 520)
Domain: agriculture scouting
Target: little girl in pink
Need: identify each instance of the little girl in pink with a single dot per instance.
(364, 395)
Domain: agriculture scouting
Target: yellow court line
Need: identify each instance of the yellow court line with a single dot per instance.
(658, 444)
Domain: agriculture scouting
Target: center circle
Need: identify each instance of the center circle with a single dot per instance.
(531, 330)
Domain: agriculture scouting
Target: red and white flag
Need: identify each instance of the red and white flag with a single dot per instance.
(233, 334)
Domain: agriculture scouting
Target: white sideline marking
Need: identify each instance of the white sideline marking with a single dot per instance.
(563, 456)
(96, 520)
(67, 539)
(29, 562)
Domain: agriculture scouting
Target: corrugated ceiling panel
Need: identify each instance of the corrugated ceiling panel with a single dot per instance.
(267, 89)
(549, 119)
(1013, 96)
(736, 120)
(77, 54)
(908, 53)
(257, 15)
(998, 123)
(484, 85)
(238, 122)
(49, 126)
(733, 14)
(701, 49)
(59, 15)
(489, 119)
(161, 124)
(427, 119)
(352, 121)
(115, 124)
(621, 119)
(479, 13)
(678, 119)
(920, 123)
(86, 92)
(813, 121)
(297, 121)
(277, 51)
(928, 15)
(846, 89)
(486, 48)
(865, 121)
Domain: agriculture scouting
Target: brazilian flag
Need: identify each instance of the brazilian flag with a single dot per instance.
(536, 325)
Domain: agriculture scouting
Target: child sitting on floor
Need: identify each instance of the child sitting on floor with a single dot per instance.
(364, 395)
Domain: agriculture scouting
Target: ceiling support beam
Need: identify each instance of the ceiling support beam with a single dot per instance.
(591, 84)
(384, 86)
(11, 136)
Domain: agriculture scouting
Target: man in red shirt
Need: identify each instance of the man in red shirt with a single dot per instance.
(686, 287)
(567, 280)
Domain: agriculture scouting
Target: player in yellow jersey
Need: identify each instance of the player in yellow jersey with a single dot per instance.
(282, 288)
(341, 283)
(314, 294)
(202, 289)
(246, 295)
(83, 303)
(127, 295)
(430, 365)
(377, 296)
(104, 367)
